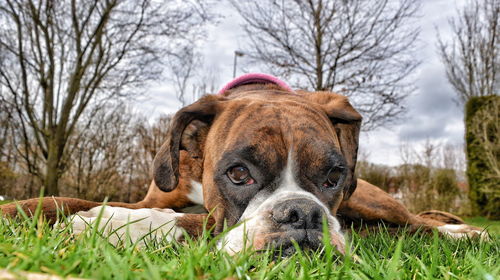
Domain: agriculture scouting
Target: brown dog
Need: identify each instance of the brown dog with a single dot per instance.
(272, 161)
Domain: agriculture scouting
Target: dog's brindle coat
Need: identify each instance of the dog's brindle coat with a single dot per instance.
(289, 142)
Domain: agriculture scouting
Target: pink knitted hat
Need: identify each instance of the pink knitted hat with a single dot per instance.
(254, 78)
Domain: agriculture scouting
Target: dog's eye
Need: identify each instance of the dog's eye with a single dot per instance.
(333, 178)
(240, 175)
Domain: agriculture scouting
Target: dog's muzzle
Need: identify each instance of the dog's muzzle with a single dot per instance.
(299, 221)
(298, 214)
(283, 223)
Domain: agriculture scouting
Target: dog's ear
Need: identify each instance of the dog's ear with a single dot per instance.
(347, 122)
(184, 133)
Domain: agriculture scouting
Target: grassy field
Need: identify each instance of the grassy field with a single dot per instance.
(31, 245)
(493, 227)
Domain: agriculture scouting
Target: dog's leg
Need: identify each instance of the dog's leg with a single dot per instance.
(139, 225)
(371, 204)
(155, 198)
(50, 206)
(178, 198)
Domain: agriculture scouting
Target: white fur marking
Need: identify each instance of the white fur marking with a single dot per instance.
(196, 193)
(461, 231)
(289, 183)
(136, 224)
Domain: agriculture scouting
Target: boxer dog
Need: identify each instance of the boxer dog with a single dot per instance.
(270, 163)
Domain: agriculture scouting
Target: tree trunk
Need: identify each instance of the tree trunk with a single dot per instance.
(52, 172)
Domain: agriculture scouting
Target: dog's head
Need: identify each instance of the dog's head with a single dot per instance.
(279, 161)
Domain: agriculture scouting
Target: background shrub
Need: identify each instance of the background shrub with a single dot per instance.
(482, 124)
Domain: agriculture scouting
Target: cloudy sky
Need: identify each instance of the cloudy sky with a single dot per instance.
(432, 113)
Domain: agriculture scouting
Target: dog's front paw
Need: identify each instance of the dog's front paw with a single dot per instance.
(135, 225)
(463, 230)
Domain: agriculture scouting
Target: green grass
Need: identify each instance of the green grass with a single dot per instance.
(30, 245)
(493, 227)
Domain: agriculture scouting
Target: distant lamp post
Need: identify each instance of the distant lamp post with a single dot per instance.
(236, 54)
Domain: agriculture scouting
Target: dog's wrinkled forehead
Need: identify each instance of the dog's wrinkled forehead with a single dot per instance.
(266, 133)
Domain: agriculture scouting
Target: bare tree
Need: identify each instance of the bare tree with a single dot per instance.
(207, 81)
(405, 153)
(472, 58)
(152, 136)
(429, 154)
(453, 157)
(57, 57)
(190, 74)
(183, 67)
(4, 133)
(101, 152)
(360, 48)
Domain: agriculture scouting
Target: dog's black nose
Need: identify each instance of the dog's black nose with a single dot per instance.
(298, 214)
